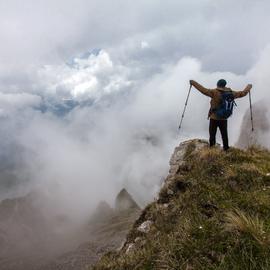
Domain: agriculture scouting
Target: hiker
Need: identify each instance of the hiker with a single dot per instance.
(221, 97)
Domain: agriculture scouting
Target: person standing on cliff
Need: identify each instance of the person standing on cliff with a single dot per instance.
(221, 97)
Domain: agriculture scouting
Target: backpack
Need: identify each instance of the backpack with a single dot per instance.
(225, 108)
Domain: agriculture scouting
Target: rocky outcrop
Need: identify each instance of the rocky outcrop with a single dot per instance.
(29, 239)
(261, 132)
(102, 212)
(178, 163)
(178, 157)
(107, 231)
(212, 206)
(124, 201)
(170, 188)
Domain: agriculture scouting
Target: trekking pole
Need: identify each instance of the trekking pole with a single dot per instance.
(183, 114)
(251, 114)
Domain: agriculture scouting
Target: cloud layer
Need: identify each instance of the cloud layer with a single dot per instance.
(91, 93)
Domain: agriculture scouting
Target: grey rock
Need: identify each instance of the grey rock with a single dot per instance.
(145, 226)
(131, 247)
(260, 135)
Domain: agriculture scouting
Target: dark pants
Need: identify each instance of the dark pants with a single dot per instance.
(222, 125)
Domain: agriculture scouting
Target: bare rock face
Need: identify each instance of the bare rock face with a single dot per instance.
(107, 233)
(179, 153)
(33, 238)
(177, 163)
(260, 135)
(103, 212)
(104, 209)
(124, 201)
(145, 224)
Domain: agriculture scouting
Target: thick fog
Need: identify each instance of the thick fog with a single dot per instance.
(91, 92)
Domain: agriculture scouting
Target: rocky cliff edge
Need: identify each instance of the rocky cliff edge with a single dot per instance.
(213, 212)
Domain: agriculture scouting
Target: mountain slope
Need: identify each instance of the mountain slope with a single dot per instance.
(103, 235)
(29, 236)
(213, 212)
(30, 239)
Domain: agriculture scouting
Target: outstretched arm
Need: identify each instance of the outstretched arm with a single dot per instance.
(202, 89)
(239, 94)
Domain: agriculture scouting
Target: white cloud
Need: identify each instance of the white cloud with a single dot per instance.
(11, 103)
(145, 45)
(139, 82)
(217, 33)
(86, 78)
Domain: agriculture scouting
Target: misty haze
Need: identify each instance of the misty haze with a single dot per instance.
(91, 96)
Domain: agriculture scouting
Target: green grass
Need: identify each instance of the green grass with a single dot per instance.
(218, 217)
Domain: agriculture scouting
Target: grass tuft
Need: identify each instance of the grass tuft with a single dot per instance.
(239, 221)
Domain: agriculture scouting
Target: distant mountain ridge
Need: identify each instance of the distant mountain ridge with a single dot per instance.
(29, 239)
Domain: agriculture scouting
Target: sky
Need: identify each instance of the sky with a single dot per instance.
(91, 92)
